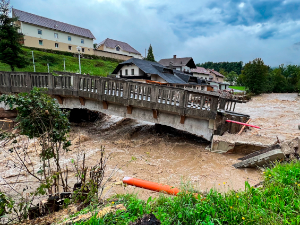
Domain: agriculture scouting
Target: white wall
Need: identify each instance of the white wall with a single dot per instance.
(137, 71)
(48, 34)
(122, 52)
(201, 75)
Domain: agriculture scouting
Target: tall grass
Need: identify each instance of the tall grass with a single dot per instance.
(277, 202)
(100, 67)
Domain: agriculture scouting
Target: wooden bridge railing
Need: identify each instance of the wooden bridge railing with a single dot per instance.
(172, 99)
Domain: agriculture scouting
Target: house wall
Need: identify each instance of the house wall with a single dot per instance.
(155, 77)
(111, 55)
(31, 39)
(137, 71)
(201, 75)
(113, 50)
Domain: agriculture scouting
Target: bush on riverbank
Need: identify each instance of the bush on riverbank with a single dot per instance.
(277, 202)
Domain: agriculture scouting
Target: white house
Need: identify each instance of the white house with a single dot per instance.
(41, 32)
(118, 47)
(201, 73)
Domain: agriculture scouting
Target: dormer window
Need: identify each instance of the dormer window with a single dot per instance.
(118, 48)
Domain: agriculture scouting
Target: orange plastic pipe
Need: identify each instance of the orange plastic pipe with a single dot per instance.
(151, 185)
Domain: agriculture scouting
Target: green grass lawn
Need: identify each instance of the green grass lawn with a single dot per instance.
(241, 88)
(277, 202)
(100, 67)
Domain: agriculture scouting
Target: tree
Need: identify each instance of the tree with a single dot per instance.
(255, 76)
(10, 47)
(231, 77)
(150, 56)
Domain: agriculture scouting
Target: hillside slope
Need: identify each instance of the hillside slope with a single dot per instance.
(99, 66)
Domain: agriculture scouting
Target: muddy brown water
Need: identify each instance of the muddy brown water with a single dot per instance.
(167, 156)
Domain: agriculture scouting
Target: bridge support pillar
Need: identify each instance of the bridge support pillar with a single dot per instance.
(182, 119)
(82, 100)
(105, 105)
(155, 113)
(129, 109)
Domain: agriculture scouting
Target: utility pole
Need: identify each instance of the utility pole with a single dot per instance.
(79, 49)
(33, 62)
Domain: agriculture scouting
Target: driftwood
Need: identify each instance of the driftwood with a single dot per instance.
(244, 127)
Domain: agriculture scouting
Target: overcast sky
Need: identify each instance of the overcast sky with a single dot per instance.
(207, 30)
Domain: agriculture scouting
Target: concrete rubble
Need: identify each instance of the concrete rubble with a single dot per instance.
(261, 158)
(232, 143)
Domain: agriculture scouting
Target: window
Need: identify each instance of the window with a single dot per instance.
(82, 41)
(40, 31)
(118, 48)
(69, 38)
(132, 71)
(56, 35)
(41, 42)
(82, 49)
(56, 45)
(202, 88)
(120, 72)
(70, 47)
(126, 72)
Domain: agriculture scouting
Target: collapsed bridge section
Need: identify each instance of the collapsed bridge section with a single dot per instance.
(199, 112)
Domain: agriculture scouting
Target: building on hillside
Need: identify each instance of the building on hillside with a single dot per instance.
(153, 72)
(118, 47)
(41, 32)
(181, 64)
(201, 73)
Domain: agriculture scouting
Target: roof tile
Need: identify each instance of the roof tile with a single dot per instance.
(110, 43)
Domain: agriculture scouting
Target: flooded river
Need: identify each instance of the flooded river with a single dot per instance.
(161, 154)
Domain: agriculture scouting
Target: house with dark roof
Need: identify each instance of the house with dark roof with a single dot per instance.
(42, 32)
(118, 47)
(181, 64)
(153, 72)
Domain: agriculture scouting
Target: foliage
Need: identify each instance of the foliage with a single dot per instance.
(223, 66)
(241, 88)
(256, 76)
(6, 204)
(10, 47)
(231, 77)
(150, 56)
(93, 65)
(277, 202)
(40, 117)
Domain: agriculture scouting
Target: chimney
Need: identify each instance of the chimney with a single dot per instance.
(171, 66)
(174, 56)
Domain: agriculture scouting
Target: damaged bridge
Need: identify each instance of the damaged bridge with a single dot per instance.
(198, 112)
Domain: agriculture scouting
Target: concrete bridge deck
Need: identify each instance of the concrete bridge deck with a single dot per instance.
(198, 112)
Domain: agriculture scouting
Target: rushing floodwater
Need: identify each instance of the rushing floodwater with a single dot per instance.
(164, 155)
